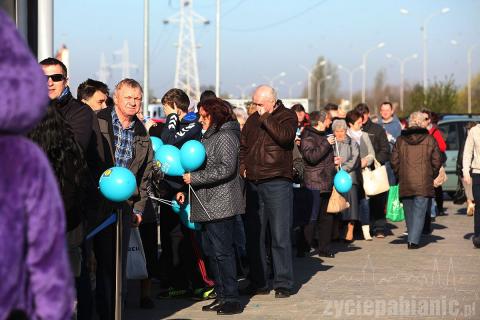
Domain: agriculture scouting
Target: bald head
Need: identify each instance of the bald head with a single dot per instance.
(264, 99)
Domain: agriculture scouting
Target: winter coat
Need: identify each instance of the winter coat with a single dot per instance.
(318, 158)
(141, 164)
(217, 184)
(267, 144)
(379, 140)
(416, 161)
(349, 151)
(34, 269)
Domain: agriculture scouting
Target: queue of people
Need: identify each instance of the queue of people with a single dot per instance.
(244, 199)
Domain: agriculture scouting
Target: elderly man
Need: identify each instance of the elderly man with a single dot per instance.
(266, 161)
(126, 144)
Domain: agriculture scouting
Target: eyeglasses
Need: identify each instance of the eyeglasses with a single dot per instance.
(55, 77)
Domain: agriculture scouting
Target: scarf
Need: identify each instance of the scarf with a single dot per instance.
(355, 135)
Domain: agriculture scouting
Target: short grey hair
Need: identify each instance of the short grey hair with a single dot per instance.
(272, 93)
(417, 119)
(339, 124)
(240, 113)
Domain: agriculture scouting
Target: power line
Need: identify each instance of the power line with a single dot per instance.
(274, 24)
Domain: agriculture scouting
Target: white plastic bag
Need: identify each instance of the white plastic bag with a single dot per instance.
(136, 263)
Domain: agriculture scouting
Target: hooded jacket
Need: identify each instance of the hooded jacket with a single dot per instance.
(34, 268)
(318, 158)
(416, 161)
(218, 184)
(267, 144)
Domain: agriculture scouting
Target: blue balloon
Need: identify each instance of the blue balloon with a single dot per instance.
(117, 184)
(169, 157)
(192, 155)
(185, 217)
(342, 181)
(176, 206)
(156, 143)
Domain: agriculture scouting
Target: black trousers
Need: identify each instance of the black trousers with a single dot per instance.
(324, 223)
(377, 211)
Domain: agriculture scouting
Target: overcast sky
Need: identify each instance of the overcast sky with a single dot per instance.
(262, 38)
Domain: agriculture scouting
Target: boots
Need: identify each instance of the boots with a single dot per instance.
(349, 235)
(366, 232)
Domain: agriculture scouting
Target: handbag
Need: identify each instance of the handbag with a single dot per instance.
(375, 181)
(136, 263)
(337, 203)
(395, 211)
(441, 178)
(459, 197)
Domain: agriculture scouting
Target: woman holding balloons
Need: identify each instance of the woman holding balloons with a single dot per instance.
(347, 158)
(217, 200)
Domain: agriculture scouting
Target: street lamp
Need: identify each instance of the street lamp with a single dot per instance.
(402, 72)
(424, 35)
(271, 81)
(290, 87)
(319, 83)
(469, 74)
(244, 88)
(311, 75)
(364, 63)
(350, 79)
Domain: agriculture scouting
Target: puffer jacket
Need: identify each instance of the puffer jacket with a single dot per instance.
(217, 184)
(318, 158)
(267, 144)
(416, 161)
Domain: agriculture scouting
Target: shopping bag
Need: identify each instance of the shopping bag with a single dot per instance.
(136, 263)
(459, 197)
(375, 181)
(394, 206)
(337, 203)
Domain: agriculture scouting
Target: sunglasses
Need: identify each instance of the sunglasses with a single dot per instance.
(55, 77)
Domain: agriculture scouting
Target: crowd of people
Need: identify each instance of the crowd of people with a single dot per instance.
(265, 188)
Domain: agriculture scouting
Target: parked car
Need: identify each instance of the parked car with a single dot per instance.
(454, 133)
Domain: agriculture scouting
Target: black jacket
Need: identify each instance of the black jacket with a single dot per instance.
(79, 117)
(378, 136)
(176, 132)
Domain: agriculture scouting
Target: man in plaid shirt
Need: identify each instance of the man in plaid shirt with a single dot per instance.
(126, 143)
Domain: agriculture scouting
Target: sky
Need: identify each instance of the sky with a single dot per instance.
(262, 38)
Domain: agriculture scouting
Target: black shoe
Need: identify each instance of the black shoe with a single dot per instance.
(413, 246)
(282, 293)
(229, 308)
(427, 232)
(214, 306)
(326, 254)
(253, 291)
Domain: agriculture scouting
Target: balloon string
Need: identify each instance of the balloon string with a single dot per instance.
(169, 202)
(338, 154)
(193, 191)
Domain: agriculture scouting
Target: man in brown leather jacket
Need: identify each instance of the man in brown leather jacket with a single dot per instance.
(266, 161)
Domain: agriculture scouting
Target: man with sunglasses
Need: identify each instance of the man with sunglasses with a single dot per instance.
(77, 115)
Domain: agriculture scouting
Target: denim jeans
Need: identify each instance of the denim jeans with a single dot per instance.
(270, 203)
(218, 245)
(364, 211)
(415, 210)
(476, 197)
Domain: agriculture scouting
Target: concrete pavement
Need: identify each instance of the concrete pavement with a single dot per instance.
(367, 279)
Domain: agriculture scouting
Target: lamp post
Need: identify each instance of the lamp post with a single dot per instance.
(271, 81)
(469, 74)
(364, 63)
(290, 87)
(244, 88)
(424, 37)
(311, 75)
(350, 79)
(319, 83)
(402, 72)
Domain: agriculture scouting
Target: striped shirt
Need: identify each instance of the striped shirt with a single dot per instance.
(124, 151)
